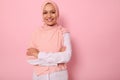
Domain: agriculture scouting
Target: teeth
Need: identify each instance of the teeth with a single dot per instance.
(49, 20)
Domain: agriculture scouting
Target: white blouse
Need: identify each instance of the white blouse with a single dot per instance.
(51, 59)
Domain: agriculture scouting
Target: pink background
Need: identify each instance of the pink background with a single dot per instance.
(95, 34)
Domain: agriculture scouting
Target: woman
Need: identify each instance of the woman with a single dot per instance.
(50, 47)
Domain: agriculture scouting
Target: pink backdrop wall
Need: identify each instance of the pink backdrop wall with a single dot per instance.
(95, 34)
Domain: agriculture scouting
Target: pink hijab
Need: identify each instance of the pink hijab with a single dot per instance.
(48, 39)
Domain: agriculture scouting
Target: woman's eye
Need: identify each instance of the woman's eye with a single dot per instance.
(44, 12)
(53, 12)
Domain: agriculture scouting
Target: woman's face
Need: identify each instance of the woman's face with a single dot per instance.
(49, 14)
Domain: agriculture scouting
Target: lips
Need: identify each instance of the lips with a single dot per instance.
(50, 19)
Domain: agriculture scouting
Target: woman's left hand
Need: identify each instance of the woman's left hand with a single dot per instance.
(32, 52)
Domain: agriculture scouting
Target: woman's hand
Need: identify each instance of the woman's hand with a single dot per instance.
(62, 49)
(32, 52)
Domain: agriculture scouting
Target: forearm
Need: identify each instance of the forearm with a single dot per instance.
(58, 57)
(35, 61)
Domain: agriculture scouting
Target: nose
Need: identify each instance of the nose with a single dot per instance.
(49, 15)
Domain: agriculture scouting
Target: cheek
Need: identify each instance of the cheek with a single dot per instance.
(55, 16)
(44, 17)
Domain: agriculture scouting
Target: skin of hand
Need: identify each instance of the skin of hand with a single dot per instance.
(32, 52)
(62, 49)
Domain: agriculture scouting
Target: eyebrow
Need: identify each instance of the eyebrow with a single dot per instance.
(50, 10)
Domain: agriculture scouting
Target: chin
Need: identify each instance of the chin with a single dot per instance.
(50, 24)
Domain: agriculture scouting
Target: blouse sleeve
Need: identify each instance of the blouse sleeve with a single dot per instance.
(58, 57)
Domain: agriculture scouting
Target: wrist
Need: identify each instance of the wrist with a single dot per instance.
(35, 55)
